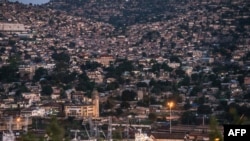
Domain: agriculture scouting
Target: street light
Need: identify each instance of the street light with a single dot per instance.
(170, 104)
(18, 120)
(217, 139)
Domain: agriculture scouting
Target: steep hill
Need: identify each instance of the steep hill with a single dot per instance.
(125, 12)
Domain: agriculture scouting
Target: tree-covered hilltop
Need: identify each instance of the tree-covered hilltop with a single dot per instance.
(121, 13)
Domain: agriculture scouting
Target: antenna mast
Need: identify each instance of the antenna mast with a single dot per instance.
(91, 127)
(26, 123)
(109, 137)
(75, 131)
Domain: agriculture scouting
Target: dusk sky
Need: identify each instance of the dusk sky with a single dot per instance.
(32, 1)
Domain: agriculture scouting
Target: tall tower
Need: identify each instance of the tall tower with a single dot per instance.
(95, 99)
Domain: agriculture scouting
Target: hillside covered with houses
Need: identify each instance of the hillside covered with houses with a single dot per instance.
(126, 58)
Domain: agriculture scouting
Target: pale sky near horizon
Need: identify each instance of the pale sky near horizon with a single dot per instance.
(32, 1)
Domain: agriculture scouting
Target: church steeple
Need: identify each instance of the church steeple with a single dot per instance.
(95, 94)
(95, 99)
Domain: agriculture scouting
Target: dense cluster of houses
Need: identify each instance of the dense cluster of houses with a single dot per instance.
(198, 36)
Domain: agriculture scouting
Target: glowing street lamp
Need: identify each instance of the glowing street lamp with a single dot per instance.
(170, 104)
(217, 139)
(18, 120)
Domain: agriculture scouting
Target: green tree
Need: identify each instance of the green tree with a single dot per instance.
(247, 56)
(204, 109)
(119, 111)
(165, 67)
(128, 95)
(9, 73)
(109, 104)
(30, 137)
(142, 84)
(65, 77)
(238, 120)
(20, 89)
(47, 90)
(151, 36)
(188, 118)
(63, 94)
(156, 67)
(185, 81)
(187, 105)
(54, 131)
(152, 117)
(112, 86)
(61, 67)
(214, 130)
(62, 61)
(175, 59)
(39, 73)
(61, 57)
(195, 77)
(179, 72)
(84, 83)
(125, 65)
(125, 105)
(90, 65)
(195, 90)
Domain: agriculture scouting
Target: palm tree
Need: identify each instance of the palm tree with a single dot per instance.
(215, 134)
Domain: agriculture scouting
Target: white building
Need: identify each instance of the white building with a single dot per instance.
(31, 96)
(12, 27)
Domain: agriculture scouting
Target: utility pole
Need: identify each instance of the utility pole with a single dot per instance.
(75, 131)
(109, 137)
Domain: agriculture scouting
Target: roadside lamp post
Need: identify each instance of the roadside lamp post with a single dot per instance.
(217, 139)
(170, 104)
(18, 120)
